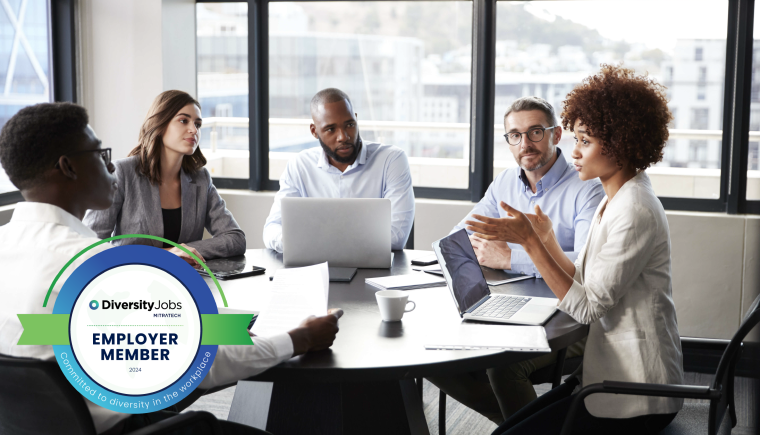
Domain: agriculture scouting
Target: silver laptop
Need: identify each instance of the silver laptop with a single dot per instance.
(344, 232)
(471, 293)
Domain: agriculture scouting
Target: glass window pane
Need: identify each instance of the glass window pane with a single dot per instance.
(222, 63)
(405, 66)
(753, 162)
(24, 69)
(545, 48)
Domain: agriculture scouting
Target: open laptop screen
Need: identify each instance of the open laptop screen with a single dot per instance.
(461, 269)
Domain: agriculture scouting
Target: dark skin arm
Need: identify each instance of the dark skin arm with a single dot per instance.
(314, 333)
(556, 269)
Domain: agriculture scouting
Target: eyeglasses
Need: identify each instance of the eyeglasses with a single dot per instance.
(105, 154)
(534, 135)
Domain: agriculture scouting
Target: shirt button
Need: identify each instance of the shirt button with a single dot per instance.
(546, 190)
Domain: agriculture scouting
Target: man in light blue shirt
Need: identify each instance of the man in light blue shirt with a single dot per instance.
(545, 179)
(345, 167)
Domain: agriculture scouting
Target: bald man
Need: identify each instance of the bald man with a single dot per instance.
(345, 167)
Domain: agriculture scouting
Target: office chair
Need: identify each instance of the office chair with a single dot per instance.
(552, 373)
(720, 393)
(36, 398)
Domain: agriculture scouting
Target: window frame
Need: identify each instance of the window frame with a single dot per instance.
(62, 57)
(736, 104)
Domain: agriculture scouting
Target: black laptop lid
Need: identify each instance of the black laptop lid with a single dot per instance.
(461, 270)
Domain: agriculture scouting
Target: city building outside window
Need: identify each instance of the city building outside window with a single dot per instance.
(24, 61)
(545, 48)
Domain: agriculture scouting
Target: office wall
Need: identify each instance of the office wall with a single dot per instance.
(178, 45)
(120, 67)
(129, 52)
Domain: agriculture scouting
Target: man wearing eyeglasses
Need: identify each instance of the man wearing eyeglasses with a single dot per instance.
(55, 159)
(544, 179)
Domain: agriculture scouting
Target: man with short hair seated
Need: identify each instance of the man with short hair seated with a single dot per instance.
(53, 156)
(345, 167)
(543, 182)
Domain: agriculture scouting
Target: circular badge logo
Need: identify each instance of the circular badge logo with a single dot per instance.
(135, 329)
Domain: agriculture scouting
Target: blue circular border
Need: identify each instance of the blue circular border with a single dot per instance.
(147, 256)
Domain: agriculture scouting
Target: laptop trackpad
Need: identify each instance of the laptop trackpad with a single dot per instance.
(537, 314)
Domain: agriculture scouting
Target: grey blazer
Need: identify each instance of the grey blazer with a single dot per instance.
(136, 209)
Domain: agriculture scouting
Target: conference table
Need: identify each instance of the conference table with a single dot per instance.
(365, 383)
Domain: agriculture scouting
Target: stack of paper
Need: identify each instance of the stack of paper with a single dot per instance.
(297, 294)
(406, 282)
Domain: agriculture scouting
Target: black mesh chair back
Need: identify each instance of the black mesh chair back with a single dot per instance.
(36, 398)
(720, 393)
(724, 376)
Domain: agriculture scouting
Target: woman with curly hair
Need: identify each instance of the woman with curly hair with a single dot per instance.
(620, 284)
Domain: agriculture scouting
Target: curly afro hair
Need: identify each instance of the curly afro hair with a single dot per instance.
(34, 138)
(628, 113)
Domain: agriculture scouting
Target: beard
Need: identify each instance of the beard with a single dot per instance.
(335, 156)
(543, 160)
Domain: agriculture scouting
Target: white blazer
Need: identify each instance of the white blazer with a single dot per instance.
(622, 288)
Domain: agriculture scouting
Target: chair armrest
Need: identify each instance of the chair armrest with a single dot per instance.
(637, 389)
(660, 390)
(186, 419)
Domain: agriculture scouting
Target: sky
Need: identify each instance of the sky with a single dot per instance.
(657, 24)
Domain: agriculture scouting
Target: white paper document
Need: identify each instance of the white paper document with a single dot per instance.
(297, 294)
(477, 336)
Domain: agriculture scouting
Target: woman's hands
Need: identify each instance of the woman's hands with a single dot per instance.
(183, 255)
(518, 228)
(541, 224)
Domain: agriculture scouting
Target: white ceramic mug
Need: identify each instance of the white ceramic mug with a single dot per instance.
(392, 304)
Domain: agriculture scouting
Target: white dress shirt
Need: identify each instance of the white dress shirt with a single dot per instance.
(622, 288)
(38, 241)
(380, 171)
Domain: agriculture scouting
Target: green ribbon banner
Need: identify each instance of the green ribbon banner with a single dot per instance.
(229, 329)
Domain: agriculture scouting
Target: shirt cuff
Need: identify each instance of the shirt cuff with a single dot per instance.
(574, 302)
(283, 346)
(521, 262)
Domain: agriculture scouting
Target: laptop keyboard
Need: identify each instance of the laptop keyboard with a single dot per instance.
(502, 307)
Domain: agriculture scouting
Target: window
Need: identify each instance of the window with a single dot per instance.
(222, 62)
(24, 64)
(753, 158)
(545, 48)
(408, 67)
(409, 82)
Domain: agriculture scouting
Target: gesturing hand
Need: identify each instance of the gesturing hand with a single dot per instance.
(541, 223)
(516, 228)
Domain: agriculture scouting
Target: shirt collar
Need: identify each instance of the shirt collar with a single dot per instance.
(48, 213)
(361, 159)
(550, 178)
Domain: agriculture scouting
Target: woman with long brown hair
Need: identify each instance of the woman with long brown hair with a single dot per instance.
(164, 189)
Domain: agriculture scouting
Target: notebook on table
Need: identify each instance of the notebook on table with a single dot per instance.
(406, 282)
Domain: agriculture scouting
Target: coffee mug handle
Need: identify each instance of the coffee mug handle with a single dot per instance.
(413, 306)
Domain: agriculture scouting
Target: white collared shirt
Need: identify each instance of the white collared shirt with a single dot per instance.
(380, 171)
(38, 241)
